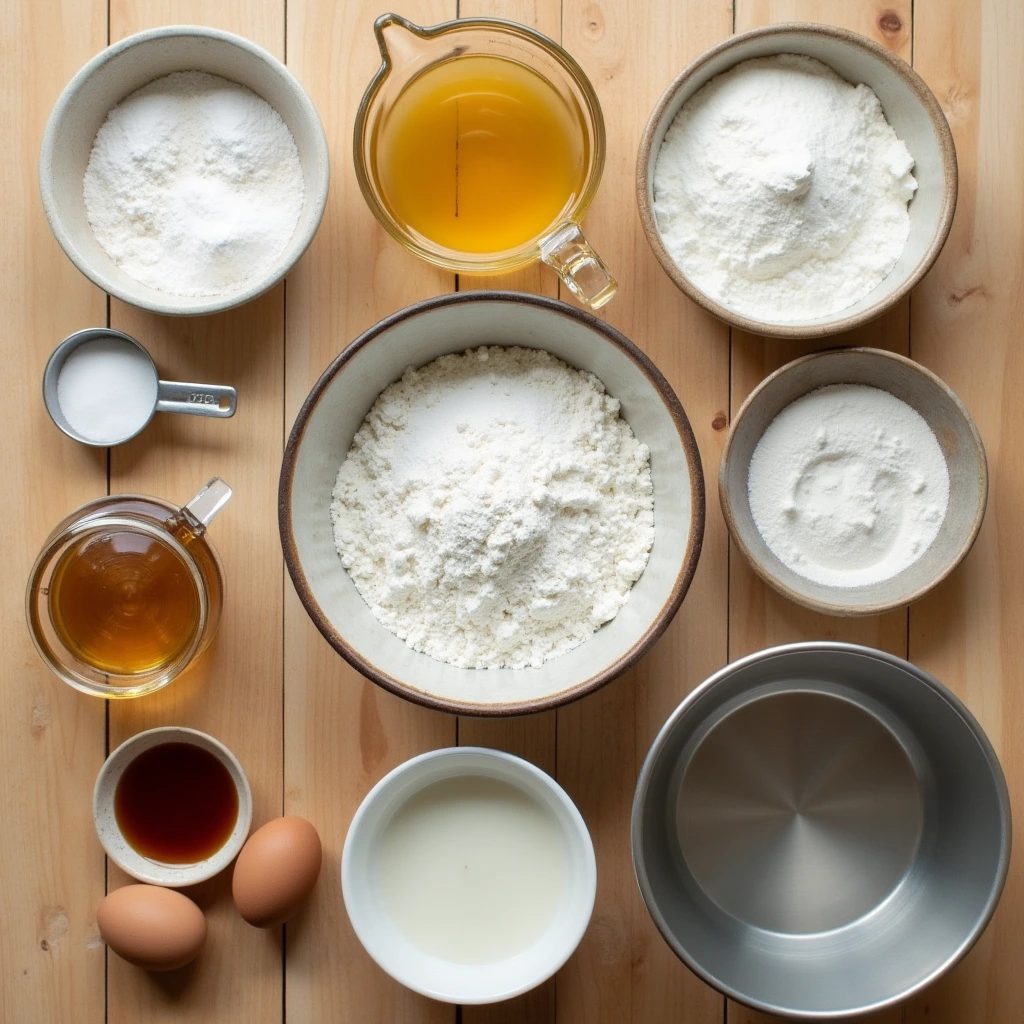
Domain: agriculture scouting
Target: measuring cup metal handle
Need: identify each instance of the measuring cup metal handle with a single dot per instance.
(576, 263)
(196, 399)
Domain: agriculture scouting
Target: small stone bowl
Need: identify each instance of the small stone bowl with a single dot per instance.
(121, 69)
(125, 856)
(944, 413)
(909, 106)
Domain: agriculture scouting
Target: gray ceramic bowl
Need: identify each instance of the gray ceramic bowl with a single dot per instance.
(339, 402)
(958, 439)
(821, 830)
(909, 106)
(120, 70)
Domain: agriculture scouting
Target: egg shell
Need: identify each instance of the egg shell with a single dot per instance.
(276, 871)
(154, 928)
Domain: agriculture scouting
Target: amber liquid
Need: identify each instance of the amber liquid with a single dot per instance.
(124, 602)
(480, 154)
(176, 803)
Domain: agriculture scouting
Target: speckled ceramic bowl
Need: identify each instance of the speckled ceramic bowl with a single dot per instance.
(121, 69)
(339, 402)
(129, 859)
(948, 419)
(909, 106)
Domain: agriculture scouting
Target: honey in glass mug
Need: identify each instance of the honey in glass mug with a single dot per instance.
(479, 145)
(127, 592)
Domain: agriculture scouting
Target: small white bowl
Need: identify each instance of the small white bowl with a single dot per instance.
(116, 73)
(430, 975)
(128, 859)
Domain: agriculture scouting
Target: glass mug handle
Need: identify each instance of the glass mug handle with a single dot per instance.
(576, 263)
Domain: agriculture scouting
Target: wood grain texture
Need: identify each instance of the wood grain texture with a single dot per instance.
(758, 616)
(235, 692)
(965, 326)
(341, 732)
(51, 737)
(623, 971)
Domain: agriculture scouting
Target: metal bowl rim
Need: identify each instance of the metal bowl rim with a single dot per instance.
(819, 647)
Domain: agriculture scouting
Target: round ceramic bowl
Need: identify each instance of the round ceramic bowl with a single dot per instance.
(948, 419)
(336, 407)
(429, 974)
(120, 70)
(821, 830)
(113, 841)
(909, 106)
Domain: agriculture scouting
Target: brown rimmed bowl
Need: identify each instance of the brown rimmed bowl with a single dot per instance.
(909, 106)
(336, 407)
(948, 419)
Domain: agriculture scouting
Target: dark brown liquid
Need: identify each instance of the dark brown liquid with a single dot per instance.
(124, 602)
(176, 803)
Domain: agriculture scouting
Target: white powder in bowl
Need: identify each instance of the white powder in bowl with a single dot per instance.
(494, 509)
(194, 185)
(107, 390)
(781, 191)
(848, 485)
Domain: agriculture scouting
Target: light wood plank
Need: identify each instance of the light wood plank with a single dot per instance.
(235, 692)
(623, 971)
(51, 737)
(532, 737)
(342, 733)
(758, 616)
(965, 326)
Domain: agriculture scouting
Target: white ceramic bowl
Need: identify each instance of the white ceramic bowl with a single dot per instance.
(120, 70)
(909, 106)
(388, 946)
(339, 402)
(134, 863)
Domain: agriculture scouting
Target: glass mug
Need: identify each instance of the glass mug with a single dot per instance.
(408, 52)
(127, 592)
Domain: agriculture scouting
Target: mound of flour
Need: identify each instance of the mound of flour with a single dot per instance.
(494, 508)
(782, 191)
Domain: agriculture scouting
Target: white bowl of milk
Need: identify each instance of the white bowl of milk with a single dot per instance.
(468, 875)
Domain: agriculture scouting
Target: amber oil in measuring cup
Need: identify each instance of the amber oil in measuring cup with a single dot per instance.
(481, 154)
(127, 592)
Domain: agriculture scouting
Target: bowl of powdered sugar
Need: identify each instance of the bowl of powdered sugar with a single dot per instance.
(491, 503)
(854, 481)
(797, 180)
(184, 170)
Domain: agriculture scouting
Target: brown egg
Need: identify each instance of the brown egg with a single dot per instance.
(276, 871)
(158, 929)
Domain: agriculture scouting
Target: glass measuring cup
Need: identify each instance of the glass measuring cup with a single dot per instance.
(407, 51)
(161, 532)
(168, 395)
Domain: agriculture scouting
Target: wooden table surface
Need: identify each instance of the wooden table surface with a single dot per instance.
(311, 734)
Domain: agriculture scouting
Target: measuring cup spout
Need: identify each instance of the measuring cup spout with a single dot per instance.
(400, 41)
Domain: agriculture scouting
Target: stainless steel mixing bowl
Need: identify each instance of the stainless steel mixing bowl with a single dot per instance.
(820, 830)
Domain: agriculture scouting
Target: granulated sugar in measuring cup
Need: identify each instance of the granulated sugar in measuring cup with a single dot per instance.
(101, 387)
(479, 146)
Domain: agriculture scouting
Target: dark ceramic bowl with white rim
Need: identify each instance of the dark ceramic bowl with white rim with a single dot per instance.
(909, 106)
(948, 419)
(337, 405)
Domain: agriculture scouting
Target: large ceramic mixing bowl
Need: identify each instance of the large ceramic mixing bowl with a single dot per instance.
(339, 402)
(821, 830)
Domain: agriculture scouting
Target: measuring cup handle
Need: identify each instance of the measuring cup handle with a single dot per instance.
(585, 275)
(196, 399)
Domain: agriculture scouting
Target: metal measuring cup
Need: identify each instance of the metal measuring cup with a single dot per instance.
(171, 396)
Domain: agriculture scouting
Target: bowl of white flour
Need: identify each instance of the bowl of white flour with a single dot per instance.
(797, 180)
(853, 481)
(184, 170)
(491, 503)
